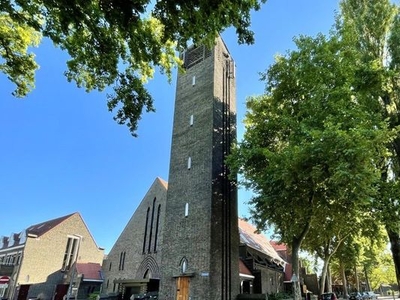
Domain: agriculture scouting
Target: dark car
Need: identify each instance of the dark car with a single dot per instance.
(355, 296)
(328, 296)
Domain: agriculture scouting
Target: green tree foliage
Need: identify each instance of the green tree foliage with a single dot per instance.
(115, 43)
(16, 62)
(358, 258)
(353, 225)
(383, 271)
(373, 27)
(344, 259)
(310, 146)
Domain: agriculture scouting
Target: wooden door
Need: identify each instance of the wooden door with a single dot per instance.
(182, 288)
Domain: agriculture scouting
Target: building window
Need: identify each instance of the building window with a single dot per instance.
(145, 230)
(189, 163)
(191, 120)
(151, 225)
(122, 261)
(184, 265)
(109, 267)
(186, 209)
(157, 224)
(194, 80)
(71, 252)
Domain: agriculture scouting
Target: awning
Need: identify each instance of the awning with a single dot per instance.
(4, 279)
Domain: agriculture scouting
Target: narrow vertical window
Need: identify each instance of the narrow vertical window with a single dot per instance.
(191, 120)
(123, 260)
(151, 225)
(189, 163)
(186, 209)
(145, 230)
(109, 267)
(120, 261)
(71, 252)
(184, 266)
(193, 80)
(157, 224)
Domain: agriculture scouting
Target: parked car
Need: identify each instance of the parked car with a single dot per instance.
(370, 295)
(328, 296)
(355, 296)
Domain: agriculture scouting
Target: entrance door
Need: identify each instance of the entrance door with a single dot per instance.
(23, 291)
(61, 291)
(182, 288)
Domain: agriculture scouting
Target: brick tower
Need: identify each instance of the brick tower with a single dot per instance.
(201, 240)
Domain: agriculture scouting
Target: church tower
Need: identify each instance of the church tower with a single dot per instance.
(200, 246)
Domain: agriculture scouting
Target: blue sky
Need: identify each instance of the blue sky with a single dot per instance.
(62, 152)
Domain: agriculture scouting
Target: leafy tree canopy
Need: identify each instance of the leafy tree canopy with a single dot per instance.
(373, 27)
(310, 144)
(314, 142)
(114, 42)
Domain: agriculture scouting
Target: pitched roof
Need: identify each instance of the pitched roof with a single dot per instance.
(257, 241)
(42, 228)
(90, 271)
(278, 246)
(16, 239)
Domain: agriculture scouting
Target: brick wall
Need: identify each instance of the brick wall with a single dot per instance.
(197, 180)
(43, 256)
(131, 241)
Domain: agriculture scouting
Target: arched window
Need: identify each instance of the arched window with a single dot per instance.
(157, 224)
(151, 225)
(145, 230)
(184, 265)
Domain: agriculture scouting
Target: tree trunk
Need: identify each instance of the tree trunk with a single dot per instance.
(296, 244)
(323, 275)
(344, 280)
(394, 239)
(357, 280)
(329, 279)
(367, 278)
(296, 274)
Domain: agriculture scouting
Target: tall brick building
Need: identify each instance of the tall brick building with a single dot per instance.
(200, 250)
(183, 240)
